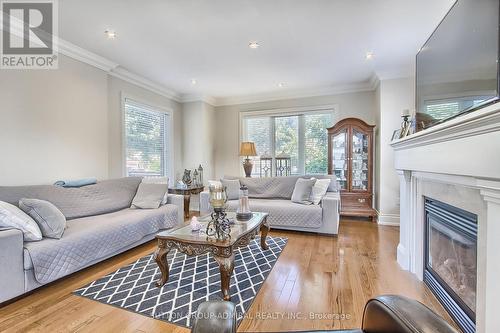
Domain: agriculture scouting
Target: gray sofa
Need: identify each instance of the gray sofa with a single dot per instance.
(273, 195)
(100, 224)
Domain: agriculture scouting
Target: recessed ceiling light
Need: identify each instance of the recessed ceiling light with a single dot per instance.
(369, 55)
(281, 84)
(253, 45)
(194, 82)
(110, 33)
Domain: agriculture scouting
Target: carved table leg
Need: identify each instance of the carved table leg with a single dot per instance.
(161, 259)
(187, 201)
(264, 229)
(226, 266)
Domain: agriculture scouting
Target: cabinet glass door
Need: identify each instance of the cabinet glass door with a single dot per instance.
(340, 158)
(359, 162)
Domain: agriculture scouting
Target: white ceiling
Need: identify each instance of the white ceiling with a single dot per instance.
(309, 44)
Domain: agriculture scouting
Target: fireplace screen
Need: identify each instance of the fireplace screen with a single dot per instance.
(450, 272)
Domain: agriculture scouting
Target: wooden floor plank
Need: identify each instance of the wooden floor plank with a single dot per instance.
(316, 278)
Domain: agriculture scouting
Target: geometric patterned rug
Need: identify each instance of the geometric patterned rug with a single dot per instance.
(192, 280)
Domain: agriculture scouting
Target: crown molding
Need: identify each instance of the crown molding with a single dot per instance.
(85, 56)
(374, 81)
(125, 75)
(186, 98)
(112, 68)
(302, 93)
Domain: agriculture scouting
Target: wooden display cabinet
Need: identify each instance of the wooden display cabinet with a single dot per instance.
(350, 158)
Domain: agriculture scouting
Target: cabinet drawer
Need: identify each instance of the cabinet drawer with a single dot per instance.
(355, 200)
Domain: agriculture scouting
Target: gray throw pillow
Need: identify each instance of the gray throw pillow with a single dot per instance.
(302, 191)
(149, 196)
(232, 188)
(12, 217)
(48, 217)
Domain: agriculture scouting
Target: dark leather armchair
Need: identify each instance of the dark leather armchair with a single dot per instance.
(383, 314)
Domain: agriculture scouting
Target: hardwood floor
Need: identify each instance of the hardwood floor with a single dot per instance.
(315, 274)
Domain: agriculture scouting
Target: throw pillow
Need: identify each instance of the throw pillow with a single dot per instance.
(149, 196)
(319, 190)
(49, 218)
(12, 217)
(302, 191)
(158, 180)
(232, 188)
(215, 183)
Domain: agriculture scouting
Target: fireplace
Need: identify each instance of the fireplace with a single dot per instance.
(450, 260)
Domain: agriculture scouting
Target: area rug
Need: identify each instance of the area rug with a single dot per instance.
(192, 280)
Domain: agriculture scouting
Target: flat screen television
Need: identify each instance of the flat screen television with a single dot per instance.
(457, 68)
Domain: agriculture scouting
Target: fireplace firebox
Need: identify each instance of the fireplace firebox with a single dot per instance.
(451, 260)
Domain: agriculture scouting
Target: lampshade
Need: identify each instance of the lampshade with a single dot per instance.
(248, 149)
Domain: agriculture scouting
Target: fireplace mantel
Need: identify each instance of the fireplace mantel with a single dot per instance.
(457, 162)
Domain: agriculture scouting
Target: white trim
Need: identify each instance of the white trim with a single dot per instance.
(125, 75)
(388, 219)
(170, 131)
(299, 93)
(82, 55)
(112, 68)
(186, 98)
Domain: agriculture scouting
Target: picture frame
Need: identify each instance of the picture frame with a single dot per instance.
(396, 135)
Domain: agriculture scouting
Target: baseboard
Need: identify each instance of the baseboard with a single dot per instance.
(402, 257)
(388, 219)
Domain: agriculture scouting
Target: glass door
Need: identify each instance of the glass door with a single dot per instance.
(340, 158)
(359, 161)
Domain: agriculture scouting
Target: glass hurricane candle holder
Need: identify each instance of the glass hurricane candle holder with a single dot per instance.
(243, 213)
(219, 226)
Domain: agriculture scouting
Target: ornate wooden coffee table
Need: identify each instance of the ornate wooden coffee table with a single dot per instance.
(196, 243)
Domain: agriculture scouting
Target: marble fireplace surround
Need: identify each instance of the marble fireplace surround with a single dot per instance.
(457, 162)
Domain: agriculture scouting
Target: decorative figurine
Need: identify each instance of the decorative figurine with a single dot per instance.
(195, 225)
(196, 178)
(187, 177)
(200, 174)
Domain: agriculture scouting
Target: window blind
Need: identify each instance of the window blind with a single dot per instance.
(145, 140)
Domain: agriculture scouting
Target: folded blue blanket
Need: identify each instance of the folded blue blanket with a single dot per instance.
(76, 183)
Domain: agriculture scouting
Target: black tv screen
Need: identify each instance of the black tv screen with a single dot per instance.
(457, 68)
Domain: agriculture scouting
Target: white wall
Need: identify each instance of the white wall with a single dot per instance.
(227, 138)
(395, 96)
(198, 137)
(53, 124)
(67, 123)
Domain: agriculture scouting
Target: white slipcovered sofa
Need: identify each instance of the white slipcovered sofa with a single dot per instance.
(273, 195)
(100, 224)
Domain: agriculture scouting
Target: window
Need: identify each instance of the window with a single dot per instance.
(146, 140)
(303, 137)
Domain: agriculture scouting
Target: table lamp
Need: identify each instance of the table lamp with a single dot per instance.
(248, 149)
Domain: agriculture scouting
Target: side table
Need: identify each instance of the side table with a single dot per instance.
(186, 192)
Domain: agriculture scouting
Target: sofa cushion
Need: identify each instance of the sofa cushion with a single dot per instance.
(149, 196)
(90, 238)
(232, 188)
(50, 219)
(11, 217)
(302, 191)
(319, 190)
(104, 197)
(285, 212)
